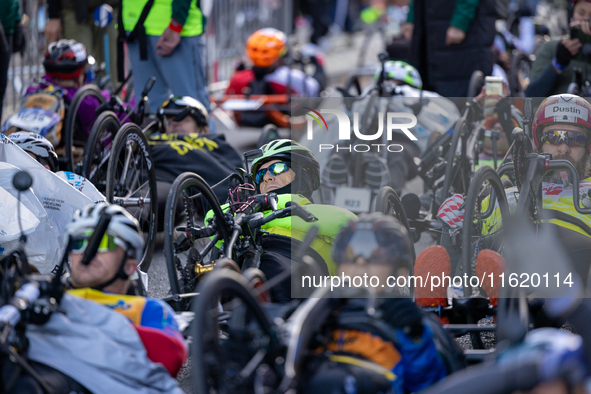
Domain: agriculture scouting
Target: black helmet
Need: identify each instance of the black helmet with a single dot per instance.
(65, 59)
(303, 162)
(181, 107)
(378, 238)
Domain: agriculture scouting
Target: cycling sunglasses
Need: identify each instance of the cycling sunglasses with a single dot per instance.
(109, 243)
(275, 168)
(557, 137)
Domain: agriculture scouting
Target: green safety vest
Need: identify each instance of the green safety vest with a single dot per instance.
(554, 196)
(159, 17)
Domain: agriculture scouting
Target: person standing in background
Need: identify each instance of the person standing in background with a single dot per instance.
(11, 40)
(164, 40)
(73, 19)
(450, 39)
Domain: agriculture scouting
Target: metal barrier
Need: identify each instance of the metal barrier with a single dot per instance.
(24, 69)
(230, 24)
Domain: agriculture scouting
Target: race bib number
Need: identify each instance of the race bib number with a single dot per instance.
(35, 120)
(354, 199)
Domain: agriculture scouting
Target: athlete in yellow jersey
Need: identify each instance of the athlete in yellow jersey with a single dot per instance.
(561, 127)
(291, 170)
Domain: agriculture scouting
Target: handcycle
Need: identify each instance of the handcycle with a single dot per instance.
(193, 248)
(42, 111)
(258, 347)
(257, 106)
(487, 211)
(386, 166)
(457, 167)
(452, 158)
(29, 299)
(118, 161)
(274, 111)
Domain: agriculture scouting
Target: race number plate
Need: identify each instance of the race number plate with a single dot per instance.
(35, 120)
(354, 199)
(241, 105)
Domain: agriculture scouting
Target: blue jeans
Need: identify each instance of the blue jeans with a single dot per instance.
(182, 73)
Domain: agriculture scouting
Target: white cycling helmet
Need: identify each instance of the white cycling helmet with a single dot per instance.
(37, 145)
(122, 225)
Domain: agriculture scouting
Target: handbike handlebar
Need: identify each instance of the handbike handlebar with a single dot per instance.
(553, 165)
(95, 238)
(260, 202)
(257, 220)
(291, 208)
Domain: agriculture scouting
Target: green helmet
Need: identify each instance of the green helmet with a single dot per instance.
(294, 153)
(400, 71)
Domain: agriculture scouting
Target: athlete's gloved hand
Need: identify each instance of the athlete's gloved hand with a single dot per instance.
(451, 211)
(403, 313)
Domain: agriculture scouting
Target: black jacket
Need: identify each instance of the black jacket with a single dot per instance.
(447, 69)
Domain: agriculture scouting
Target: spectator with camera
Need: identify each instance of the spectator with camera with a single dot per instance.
(556, 60)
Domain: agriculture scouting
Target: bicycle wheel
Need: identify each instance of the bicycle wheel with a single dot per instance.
(189, 198)
(486, 189)
(458, 167)
(388, 202)
(235, 347)
(98, 149)
(486, 210)
(131, 183)
(75, 136)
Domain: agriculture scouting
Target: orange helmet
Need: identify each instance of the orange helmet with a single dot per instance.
(265, 46)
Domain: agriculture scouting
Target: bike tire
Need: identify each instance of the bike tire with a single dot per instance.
(484, 174)
(98, 147)
(129, 145)
(388, 202)
(450, 162)
(72, 135)
(193, 183)
(205, 333)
